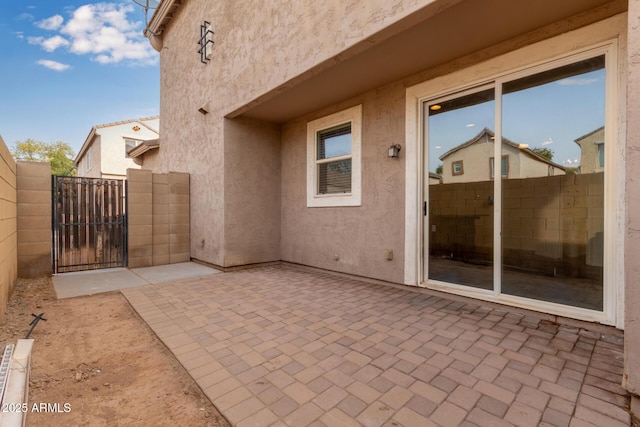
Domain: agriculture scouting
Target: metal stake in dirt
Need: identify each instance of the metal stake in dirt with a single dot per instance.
(34, 322)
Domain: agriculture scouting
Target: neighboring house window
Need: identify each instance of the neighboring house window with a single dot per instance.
(505, 166)
(600, 154)
(333, 159)
(128, 145)
(457, 168)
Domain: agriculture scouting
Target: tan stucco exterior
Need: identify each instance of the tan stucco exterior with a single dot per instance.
(239, 166)
(632, 219)
(476, 157)
(237, 123)
(103, 154)
(590, 145)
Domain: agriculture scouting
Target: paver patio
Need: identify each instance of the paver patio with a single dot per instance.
(286, 346)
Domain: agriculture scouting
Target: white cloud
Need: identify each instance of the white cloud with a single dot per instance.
(53, 65)
(577, 81)
(547, 142)
(101, 30)
(25, 17)
(35, 40)
(51, 24)
(19, 34)
(469, 125)
(53, 43)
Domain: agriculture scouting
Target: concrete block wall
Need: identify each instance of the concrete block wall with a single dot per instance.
(140, 217)
(34, 219)
(8, 227)
(158, 218)
(178, 217)
(557, 217)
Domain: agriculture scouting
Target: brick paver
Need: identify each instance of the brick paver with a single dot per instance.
(281, 345)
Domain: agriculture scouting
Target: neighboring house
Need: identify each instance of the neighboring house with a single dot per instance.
(592, 151)
(473, 161)
(106, 153)
(285, 115)
(434, 178)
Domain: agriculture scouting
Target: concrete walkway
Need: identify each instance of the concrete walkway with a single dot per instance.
(68, 285)
(288, 347)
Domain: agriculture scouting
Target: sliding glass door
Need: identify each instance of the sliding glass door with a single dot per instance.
(459, 195)
(516, 184)
(553, 199)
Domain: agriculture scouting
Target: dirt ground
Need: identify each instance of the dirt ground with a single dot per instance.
(97, 356)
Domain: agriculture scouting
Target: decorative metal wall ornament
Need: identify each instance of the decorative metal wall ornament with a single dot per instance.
(205, 42)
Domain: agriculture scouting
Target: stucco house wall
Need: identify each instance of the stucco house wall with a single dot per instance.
(248, 174)
(255, 39)
(476, 161)
(349, 239)
(89, 164)
(589, 154)
(632, 218)
(105, 145)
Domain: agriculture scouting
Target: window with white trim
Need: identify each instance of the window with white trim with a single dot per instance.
(130, 144)
(505, 167)
(600, 146)
(334, 159)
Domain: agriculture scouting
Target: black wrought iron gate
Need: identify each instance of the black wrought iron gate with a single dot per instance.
(89, 223)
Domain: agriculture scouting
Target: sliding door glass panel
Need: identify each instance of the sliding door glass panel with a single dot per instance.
(552, 170)
(459, 192)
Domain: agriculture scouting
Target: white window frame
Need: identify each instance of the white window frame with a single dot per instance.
(126, 139)
(492, 167)
(351, 115)
(601, 37)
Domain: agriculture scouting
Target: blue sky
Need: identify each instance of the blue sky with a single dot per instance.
(69, 65)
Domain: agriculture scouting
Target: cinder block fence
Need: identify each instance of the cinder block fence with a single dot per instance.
(158, 220)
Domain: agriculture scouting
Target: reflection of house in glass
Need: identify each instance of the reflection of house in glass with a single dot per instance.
(592, 151)
(552, 222)
(473, 161)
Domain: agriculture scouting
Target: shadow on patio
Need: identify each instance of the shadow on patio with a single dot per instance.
(282, 345)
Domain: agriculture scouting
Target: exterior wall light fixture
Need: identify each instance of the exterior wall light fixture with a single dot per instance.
(205, 42)
(394, 151)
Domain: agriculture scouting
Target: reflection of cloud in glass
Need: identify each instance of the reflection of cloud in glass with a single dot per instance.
(470, 125)
(577, 81)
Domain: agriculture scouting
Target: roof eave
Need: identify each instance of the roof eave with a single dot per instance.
(143, 147)
(87, 142)
(159, 21)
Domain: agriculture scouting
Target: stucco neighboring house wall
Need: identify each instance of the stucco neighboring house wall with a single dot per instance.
(104, 152)
(89, 164)
(476, 157)
(590, 146)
